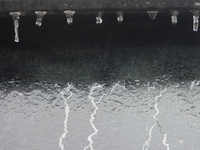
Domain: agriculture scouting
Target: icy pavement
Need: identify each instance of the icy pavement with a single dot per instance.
(128, 86)
(151, 116)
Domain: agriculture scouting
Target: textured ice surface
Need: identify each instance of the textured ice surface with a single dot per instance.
(136, 60)
(124, 118)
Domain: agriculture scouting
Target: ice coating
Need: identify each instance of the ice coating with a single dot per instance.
(152, 14)
(99, 17)
(120, 16)
(153, 115)
(195, 23)
(16, 16)
(195, 20)
(69, 15)
(174, 17)
(40, 15)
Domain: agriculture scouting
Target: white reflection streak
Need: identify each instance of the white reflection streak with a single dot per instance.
(193, 84)
(165, 141)
(149, 88)
(147, 143)
(66, 116)
(114, 87)
(92, 116)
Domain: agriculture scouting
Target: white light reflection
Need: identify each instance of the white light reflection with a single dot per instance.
(66, 116)
(165, 142)
(92, 115)
(147, 143)
(194, 84)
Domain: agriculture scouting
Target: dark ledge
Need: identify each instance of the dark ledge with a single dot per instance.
(86, 5)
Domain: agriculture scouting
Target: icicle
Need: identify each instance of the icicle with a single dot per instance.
(120, 16)
(69, 15)
(16, 16)
(40, 15)
(195, 20)
(99, 17)
(174, 17)
(152, 14)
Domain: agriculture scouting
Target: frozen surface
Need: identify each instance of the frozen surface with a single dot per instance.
(128, 86)
(125, 118)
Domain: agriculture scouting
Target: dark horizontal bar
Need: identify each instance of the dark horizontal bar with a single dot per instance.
(31, 5)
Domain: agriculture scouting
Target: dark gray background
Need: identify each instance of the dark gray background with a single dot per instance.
(86, 52)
